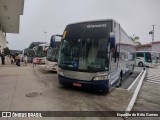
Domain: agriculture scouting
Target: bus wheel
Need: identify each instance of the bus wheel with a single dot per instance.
(121, 77)
(105, 91)
(140, 64)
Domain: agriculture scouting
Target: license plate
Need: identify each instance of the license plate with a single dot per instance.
(77, 84)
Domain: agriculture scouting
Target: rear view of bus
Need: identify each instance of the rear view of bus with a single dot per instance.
(91, 56)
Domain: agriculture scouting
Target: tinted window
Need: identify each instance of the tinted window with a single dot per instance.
(84, 47)
(148, 57)
(139, 54)
(52, 55)
(39, 52)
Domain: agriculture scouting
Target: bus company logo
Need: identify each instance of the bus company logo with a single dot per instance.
(6, 114)
(96, 26)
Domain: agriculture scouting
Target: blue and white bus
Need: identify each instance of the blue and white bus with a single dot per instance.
(51, 63)
(95, 55)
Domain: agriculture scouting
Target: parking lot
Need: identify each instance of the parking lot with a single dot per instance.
(29, 88)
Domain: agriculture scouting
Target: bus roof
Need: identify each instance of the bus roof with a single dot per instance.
(46, 44)
(147, 51)
(34, 44)
(89, 21)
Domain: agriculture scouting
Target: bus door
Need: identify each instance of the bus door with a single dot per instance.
(114, 71)
(148, 57)
(126, 62)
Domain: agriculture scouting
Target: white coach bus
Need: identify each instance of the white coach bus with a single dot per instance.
(41, 53)
(95, 55)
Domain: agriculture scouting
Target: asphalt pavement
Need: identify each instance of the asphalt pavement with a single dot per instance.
(29, 88)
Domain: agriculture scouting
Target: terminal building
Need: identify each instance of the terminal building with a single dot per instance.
(10, 11)
(145, 47)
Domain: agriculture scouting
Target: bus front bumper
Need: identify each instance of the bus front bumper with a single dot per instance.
(100, 85)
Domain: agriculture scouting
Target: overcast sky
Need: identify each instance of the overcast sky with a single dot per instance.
(135, 16)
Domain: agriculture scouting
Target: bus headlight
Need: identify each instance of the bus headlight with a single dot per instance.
(104, 77)
(61, 73)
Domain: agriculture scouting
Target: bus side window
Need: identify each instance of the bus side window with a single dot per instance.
(131, 56)
(139, 54)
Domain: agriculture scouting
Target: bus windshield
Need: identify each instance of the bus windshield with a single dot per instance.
(39, 52)
(52, 55)
(84, 47)
(30, 53)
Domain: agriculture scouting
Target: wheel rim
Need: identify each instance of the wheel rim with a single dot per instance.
(140, 64)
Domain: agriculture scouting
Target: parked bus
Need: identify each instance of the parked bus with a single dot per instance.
(95, 54)
(30, 51)
(52, 53)
(40, 53)
(146, 58)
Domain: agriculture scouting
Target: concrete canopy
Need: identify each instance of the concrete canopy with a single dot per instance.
(10, 11)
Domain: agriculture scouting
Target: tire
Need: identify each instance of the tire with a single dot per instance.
(121, 77)
(140, 64)
(120, 82)
(105, 91)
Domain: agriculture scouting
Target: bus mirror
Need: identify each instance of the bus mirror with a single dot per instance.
(34, 49)
(45, 49)
(112, 41)
(52, 41)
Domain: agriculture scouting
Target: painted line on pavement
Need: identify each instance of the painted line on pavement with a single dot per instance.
(152, 81)
(129, 88)
(134, 97)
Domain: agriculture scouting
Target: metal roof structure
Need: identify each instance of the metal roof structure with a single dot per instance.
(10, 11)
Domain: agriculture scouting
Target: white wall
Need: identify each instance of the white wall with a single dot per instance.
(156, 47)
(141, 48)
(2, 41)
